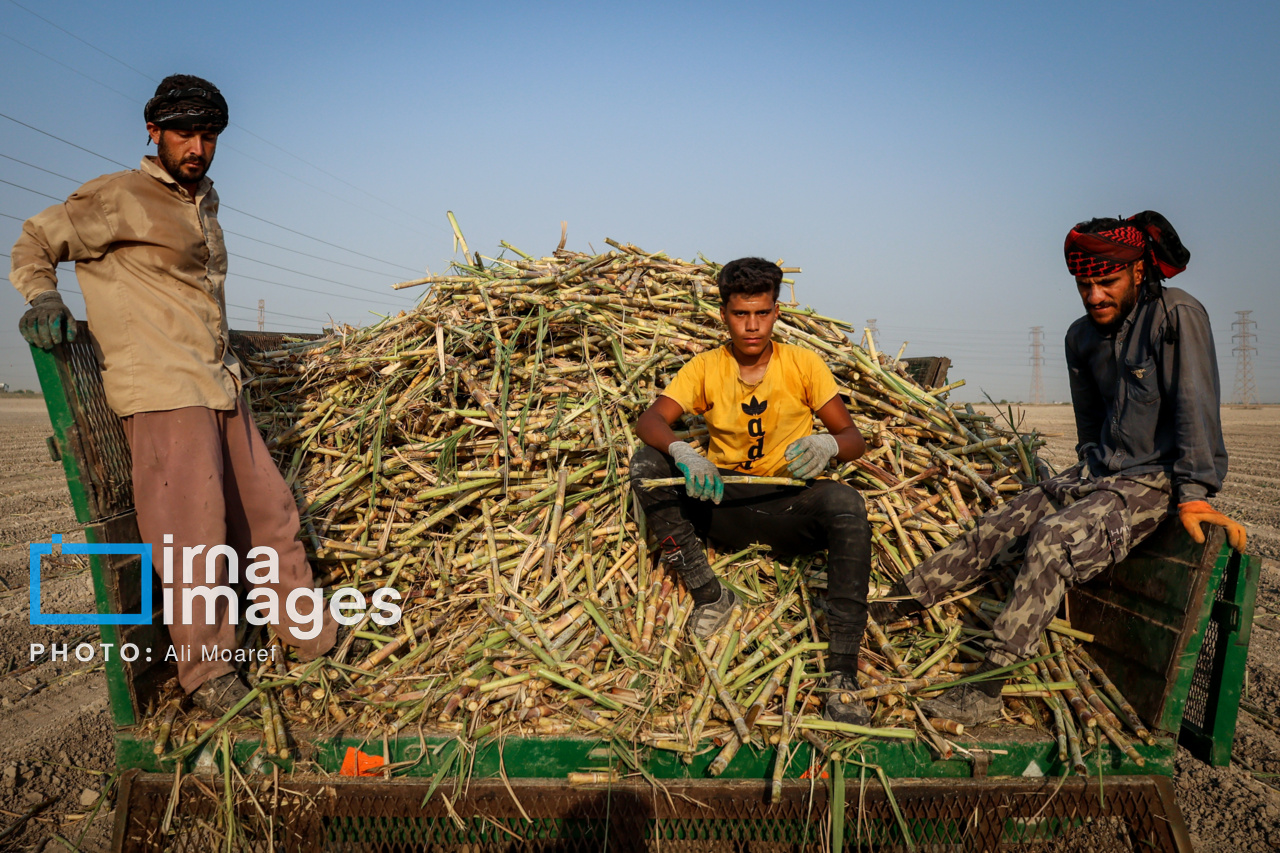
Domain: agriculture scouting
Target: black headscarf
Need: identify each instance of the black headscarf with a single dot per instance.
(186, 102)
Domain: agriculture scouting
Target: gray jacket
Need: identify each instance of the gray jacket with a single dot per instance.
(1144, 403)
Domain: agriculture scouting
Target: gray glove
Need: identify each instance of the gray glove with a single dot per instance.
(47, 321)
(808, 456)
(701, 477)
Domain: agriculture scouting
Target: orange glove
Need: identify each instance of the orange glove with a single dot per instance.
(1192, 513)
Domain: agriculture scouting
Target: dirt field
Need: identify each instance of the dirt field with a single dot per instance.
(55, 728)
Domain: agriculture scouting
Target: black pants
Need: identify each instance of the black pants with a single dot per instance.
(792, 520)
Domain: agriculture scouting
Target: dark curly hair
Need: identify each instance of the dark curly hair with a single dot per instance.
(749, 276)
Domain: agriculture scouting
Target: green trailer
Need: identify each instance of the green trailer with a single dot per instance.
(1171, 624)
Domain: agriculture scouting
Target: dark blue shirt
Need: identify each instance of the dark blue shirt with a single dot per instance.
(1144, 403)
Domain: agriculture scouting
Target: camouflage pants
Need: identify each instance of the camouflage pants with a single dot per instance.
(1071, 527)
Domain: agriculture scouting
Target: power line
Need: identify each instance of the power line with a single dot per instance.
(298, 287)
(982, 333)
(239, 151)
(237, 126)
(299, 252)
(68, 67)
(236, 275)
(64, 141)
(336, 178)
(82, 41)
(277, 313)
(65, 289)
(28, 189)
(229, 304)
(226, 230)
(283, 325)
(315, 187)
(42, 169)
(234, 255)
(224, 206)
(307, 274)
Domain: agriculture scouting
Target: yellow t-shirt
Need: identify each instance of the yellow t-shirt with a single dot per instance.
(751, 426)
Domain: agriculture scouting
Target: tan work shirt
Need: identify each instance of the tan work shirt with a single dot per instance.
(152, 267)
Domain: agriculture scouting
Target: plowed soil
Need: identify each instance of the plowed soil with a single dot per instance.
(56, 748)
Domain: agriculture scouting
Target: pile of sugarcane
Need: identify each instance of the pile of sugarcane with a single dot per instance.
(472, 454)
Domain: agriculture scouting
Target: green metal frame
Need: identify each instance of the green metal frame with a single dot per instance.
(1175, 707)
(1212, 740)
(54, 380)
(547, 757)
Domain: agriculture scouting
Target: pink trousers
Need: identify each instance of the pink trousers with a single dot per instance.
(205, 477)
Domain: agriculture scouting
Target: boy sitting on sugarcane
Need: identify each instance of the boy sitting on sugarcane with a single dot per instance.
(758, 397)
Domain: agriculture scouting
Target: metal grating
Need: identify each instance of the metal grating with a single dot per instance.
(1205, 676)
(380, 816)
(106, 459)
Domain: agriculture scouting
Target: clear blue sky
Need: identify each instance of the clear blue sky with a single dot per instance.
(921, 161)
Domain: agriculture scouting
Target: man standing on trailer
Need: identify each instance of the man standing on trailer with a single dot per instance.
(759, 397)
(151, 264)
(1144, 385)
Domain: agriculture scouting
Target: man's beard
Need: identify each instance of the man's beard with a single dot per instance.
(173, 164)
(1124, 309)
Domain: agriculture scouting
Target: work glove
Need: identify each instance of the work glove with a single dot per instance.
(47, 321)
(1192, 513)
(701, 478)
(808, 456)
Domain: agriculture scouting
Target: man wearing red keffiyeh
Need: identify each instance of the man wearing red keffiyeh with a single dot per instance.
(1144, 385)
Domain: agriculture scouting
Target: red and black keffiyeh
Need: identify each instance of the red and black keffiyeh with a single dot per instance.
(1104, 246)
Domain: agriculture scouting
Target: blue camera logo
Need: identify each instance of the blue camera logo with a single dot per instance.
(38, 549)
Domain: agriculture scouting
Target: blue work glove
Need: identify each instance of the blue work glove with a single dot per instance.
(808, 457)
(47, 321)
(701, 477)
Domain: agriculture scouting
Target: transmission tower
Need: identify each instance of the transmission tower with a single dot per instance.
(1037, 360)
(873, 332)
(262, 315)
(1246, 392)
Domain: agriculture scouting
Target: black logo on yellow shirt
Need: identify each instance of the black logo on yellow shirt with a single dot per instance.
(755, 429)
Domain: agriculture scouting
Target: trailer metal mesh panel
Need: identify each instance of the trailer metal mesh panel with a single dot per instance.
(103, 448)
(1206, 677)
(377, 816)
